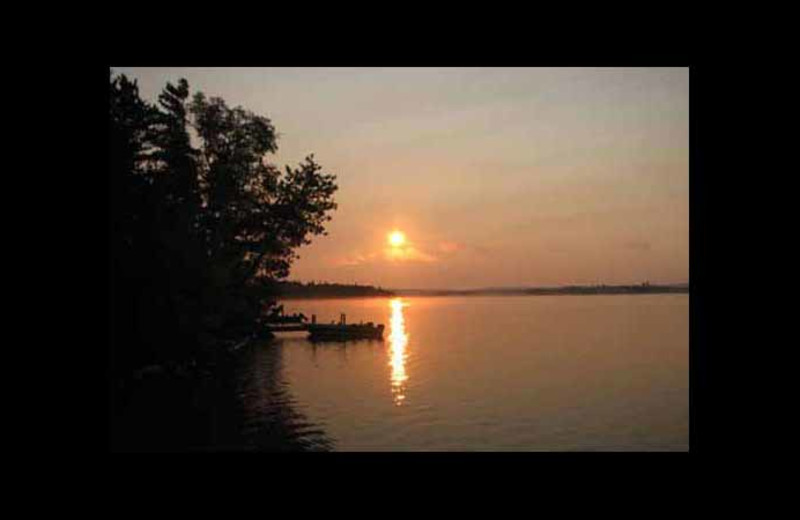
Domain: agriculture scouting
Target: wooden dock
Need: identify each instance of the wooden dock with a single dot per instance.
(332, 331)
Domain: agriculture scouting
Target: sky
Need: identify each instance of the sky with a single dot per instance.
(495, 176)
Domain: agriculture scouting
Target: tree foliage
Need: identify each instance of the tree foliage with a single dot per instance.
(203, 226)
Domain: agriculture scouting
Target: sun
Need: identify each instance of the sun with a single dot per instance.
(396, 239)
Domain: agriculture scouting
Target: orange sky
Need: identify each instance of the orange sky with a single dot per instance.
(497, 177)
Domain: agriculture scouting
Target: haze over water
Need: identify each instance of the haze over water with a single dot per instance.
(542, 373)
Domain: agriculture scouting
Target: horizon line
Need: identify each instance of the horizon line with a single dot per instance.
(502, 287)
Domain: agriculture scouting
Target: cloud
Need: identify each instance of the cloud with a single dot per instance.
(450, 247)
(357, 259)
(407, 253)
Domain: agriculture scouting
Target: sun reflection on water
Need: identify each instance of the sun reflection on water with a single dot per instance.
(398, 339)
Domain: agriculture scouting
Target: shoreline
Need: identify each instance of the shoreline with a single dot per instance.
(340, 297)
(533, 292)
(542, 293)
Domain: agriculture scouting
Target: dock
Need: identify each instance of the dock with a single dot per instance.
(326, 332)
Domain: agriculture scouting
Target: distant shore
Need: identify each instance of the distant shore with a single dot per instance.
(386, 294)
(337, 297)
(303, 291)
(299, 291)
(552, 291)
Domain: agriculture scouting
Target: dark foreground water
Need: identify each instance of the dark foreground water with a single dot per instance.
(239, 403)
(524, 373)
(497, 373)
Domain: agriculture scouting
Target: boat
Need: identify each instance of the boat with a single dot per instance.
(342, 331)
(323, 332)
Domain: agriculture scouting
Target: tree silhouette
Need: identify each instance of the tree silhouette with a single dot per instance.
(203, 226)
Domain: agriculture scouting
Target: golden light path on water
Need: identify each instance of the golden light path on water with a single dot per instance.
(398, 339)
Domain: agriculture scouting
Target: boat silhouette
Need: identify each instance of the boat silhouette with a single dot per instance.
(342, 331)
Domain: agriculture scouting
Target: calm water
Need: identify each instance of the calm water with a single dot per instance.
(534, 373)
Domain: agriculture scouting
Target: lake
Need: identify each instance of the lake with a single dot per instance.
(494, 373)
